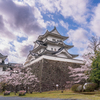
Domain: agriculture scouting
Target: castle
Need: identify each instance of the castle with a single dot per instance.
(3, 65)
(50, 59)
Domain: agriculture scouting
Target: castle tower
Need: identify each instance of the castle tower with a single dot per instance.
(2, 64)
(50, 59)
(51, 44)
(2, 58)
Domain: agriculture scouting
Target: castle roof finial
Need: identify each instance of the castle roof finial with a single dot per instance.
(54, 27)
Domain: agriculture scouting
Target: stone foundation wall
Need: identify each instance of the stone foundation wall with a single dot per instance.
(51, 72)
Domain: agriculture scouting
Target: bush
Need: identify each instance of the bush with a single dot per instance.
(1, 87)
(79, 88)
(90, 87)
(22, 93)
(7, 93)
(74, 87)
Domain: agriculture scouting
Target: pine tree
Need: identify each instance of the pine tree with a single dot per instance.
(95, 72)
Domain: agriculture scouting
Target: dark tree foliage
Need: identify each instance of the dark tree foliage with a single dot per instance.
(95, 72)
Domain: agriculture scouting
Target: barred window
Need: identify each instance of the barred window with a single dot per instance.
(54, 40)
(52, 49)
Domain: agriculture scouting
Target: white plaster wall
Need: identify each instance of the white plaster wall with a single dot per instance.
(62, 55)
(4, 73)
(0, 69)
(49, 46)
(51, 37)
(0, 60)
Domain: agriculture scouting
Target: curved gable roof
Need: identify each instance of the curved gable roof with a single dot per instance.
(54, 32)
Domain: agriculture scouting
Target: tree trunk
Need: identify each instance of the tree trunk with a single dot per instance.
(15, 89)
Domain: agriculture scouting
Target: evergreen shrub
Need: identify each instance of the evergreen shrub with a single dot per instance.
(74, 87)
(91, 87)
(6, 93)
(79, 88)
(22, 93)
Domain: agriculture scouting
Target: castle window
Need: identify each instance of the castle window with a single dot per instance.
(0, 60)
(59, 40)
(39, 51)
(54, 40)
(52, 49)
(4, 68)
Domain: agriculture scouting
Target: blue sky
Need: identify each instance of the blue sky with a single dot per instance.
(22, 21)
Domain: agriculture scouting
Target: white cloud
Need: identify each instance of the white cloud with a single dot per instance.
(51, 23)
(63, 24)
(95, 21)
(79, 38)
(50, 16)
(4, 31)
(4, 47)
(18, 19)
(28, 2)
(22, 49)
(47, 5)
(13, 57)
(77, 9)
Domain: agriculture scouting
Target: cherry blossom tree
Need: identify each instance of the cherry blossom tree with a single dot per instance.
(19, 77)
(83, 73)
(3, 78)
(77, 74)
(27, 78)
(93, 47)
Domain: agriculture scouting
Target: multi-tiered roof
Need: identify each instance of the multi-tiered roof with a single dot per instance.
(2, 58)
(51, 44)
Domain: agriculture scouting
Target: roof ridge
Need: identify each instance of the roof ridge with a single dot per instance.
(1, 55)
(54, 29)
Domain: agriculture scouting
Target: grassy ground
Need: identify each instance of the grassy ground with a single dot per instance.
(65, 95)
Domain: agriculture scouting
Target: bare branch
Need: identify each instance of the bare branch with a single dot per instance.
(94, 43)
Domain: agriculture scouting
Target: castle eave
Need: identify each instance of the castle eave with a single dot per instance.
(68, 46)
(74, 55)
(52, 34)
(3, 57)
(38, 48)
(55, 59)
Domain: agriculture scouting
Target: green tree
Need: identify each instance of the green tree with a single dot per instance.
(95, 72)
